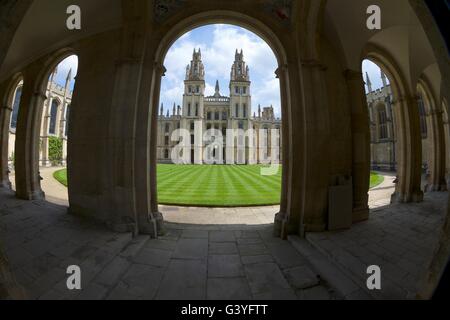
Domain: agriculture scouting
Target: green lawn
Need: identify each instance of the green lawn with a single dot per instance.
(217, 186)
(61, 176)
(375, 180)
(221, 186)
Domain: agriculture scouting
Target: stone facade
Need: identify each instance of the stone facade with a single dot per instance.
(54, 119)
(220, 113)
(383, 123)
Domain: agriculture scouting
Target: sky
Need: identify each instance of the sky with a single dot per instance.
(64, 67)
(218, 44)
(374, 74)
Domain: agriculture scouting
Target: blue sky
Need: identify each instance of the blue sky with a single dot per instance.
(218, 44)
(64, 68)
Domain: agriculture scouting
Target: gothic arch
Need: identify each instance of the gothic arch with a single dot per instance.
(435, 141)
(36, 77)
(156, 58)
(407, 131)
(5, 121)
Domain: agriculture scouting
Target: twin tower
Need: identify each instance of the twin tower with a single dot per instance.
(239, 102)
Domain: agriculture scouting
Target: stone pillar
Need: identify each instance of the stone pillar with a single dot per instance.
(44, 134)
(318, 146)
(28, 180)
(361, 144)
(438, 180)
(5, 119)
(409, 151)
(150, 220)
(286, 223)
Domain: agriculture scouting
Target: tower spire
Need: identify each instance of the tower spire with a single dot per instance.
(217, 94)
(368, 82)
(383, 78)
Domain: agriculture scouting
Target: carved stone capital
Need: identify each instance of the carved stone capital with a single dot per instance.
(281, 70)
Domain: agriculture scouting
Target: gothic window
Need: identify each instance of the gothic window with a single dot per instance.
(196, 109)
(192, 139)
(217, 116)
(53, 115)
(178, 125)
(189, 109)
(166, 140)
(245, 110)
(66, 129)
(382, 121)
(236, 90)
(190, 89)
(241, 125)
(192, 125)
(423, 119)
(237, 110)
(224, 115)
(15, 111)
(198, 89)
(208, 116)
(224, 132)
(167, 128)
(244, 90)
(166, 154)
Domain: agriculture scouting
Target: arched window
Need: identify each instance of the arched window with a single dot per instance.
(166, 154)
(167, 128)
(237, 110)
(382, 122)
(53, 115)
(423, 118)
(15, 111)
(245, 110)
(66, 129)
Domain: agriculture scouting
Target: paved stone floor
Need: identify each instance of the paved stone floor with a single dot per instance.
(400, 239)
(380, 196)
(219, 258)
(41, 240)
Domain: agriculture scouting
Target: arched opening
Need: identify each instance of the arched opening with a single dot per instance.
(445, 118)
(383, 141)
(221, 165)
(54, 129)
(12, 103)
(41, 133)
(432, 129)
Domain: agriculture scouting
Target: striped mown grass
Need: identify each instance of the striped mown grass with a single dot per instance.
(217, 186)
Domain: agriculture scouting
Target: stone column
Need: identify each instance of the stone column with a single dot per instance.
(438, 180)
(409, 151)
(150, 220)
(44, 134)
(317, 146)
(286, 223)
(5, 119)
(361, 144)
(28, 180)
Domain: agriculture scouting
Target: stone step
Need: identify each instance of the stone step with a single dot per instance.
(355, 270)
(344, 285)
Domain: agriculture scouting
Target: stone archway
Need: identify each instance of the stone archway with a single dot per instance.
(435, 140)
(36, 77)
(407, 131)
(166, 40)
(6, 110)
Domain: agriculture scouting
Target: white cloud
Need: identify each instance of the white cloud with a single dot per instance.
(218, 44)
